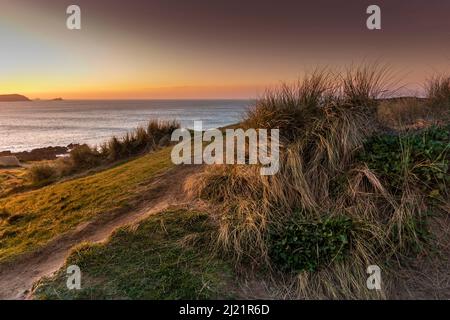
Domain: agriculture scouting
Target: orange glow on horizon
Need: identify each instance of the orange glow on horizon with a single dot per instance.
(158, 54)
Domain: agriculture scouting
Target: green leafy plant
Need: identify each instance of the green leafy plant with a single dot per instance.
(423, 155)
(302, 245)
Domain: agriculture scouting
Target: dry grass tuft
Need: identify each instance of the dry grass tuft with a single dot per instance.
(411, 113)
(324, 121)
(438, 91)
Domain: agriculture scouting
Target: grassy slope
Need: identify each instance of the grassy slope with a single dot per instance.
(31, 219)
(11, 178)
(164, 258)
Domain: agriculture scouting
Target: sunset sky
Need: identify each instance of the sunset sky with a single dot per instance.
(208, 49)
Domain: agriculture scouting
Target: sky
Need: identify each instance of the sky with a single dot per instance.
(155, 49)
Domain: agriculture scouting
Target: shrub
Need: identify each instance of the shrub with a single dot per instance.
(114, 149)
(301, 245)
(157, 129)
(42, 173)
(84, 157)
(141, 139)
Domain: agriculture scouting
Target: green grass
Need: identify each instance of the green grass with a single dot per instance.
(166, 257)
(30, 220)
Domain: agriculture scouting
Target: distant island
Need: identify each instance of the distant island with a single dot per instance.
(12, 97)
(54, 99)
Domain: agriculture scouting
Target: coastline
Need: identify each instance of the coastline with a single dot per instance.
(40, 154)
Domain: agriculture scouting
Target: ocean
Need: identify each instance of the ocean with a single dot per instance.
(36, 124)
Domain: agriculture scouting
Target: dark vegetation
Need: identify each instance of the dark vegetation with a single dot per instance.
(83, 157)
(303, 245)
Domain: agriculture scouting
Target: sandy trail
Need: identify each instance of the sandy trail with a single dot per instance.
(18, 277)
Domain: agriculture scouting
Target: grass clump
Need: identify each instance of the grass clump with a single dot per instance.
(438, 92)
(291, 108)
(302, 245)
(141, 140)
(320, 130)
(325, 121)
(84, 157)
(158, 260)
(363, 85)
(41, 174)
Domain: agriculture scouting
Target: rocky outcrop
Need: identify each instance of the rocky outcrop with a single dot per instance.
(48, 153)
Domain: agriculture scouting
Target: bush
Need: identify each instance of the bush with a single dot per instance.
(42, 173)
(114, 149)
(157, 130)
(84, 157)
(302, 245)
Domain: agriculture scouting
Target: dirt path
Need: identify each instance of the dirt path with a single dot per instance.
(18, 277)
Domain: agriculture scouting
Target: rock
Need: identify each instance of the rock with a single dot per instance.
(48, 153)
(72, 146)
(9, 161)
